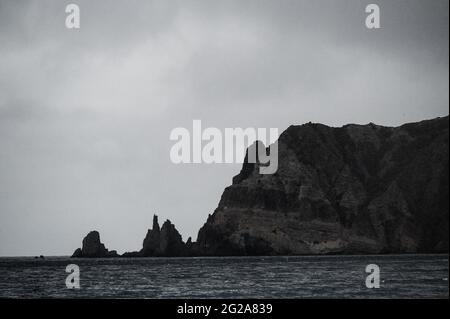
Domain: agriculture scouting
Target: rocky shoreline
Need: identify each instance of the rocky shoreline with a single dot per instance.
(357, 189)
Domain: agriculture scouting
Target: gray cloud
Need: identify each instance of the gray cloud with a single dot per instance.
(85, 115)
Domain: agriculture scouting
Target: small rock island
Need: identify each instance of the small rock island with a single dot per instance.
(93, 248)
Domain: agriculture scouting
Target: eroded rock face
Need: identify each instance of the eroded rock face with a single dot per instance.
(93, 248)
(349, 190)
(171, 242)
(166, 241)
(150, 246)
(354, 189)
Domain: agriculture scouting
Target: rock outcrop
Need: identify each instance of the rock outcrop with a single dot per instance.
(93, 248)
(357, 189)
(150, 246)
(166, 241)
(354, 189)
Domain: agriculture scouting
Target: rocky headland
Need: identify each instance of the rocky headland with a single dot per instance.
(357, 189)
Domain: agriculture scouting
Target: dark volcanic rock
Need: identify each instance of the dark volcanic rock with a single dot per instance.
(131, 254)
(354, 189)
(171, 243)
(166, 241)
(77, 253)
(93, 248)
(150, 246)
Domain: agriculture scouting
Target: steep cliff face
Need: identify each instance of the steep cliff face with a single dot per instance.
(92, 247)
(354, 189)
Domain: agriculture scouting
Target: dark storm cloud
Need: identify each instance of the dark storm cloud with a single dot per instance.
(85, 115)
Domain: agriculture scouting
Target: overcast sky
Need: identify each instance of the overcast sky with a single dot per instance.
(85, 115)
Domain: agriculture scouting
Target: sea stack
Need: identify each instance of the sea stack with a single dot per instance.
(93, 248)
(165, 241)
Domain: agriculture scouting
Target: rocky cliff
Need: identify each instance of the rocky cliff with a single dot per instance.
(354, 189)
(92, 247)
(357, 189)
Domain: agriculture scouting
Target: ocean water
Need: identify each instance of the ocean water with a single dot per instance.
(401, 276)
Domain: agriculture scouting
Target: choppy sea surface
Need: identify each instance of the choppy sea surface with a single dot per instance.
(401, 276)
